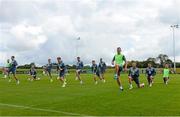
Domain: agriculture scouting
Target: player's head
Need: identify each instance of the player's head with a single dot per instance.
(134, 64)
(49, 60)
(78, 58)
(118, 50)
(12, 57)
(93, 62)
(149, 65)
(166, 65)
(32, 66)
(101, 59)
(59, 59)
(8, 60)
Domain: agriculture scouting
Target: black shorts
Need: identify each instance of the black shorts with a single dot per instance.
(120, 70)
(61, 74)
(135, 79)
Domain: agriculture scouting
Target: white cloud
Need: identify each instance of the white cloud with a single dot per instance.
(35, 30)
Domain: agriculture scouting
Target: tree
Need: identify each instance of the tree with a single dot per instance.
(162, 58)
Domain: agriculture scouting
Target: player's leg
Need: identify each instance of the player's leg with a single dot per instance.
(95, 79)
(79, 77)
(50, 76)
(150, 81)
(14, 76)
(116, 71)
(130, 82)
(9, 71)
(102, 77)
(63, 81)
(119, 79)
(136, 80)
(165, 80)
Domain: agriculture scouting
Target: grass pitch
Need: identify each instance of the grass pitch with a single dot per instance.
(42, 98)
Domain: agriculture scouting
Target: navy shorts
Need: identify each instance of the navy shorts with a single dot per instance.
(135, 79)
(12, 70)
(102, 71)
(61, 74)
(49, 71)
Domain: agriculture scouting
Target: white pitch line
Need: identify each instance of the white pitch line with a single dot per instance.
(39, 109)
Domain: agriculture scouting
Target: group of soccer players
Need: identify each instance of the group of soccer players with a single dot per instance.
(98, 70)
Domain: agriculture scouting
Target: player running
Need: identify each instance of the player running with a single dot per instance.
(12, 69)
(95, 71)
(61, 69)
(48, 69)
(33, 73)
(102, 69)
(150, 73)
(134, 76)
(166, 72)
(119, 60)
(79, 67)
(6, 69)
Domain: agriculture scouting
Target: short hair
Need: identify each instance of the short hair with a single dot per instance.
(58, 57)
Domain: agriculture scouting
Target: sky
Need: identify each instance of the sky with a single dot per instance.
(35, 30)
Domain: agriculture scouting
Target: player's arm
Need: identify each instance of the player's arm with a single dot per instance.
(125, 66)
(129, 72)
(62, 67)
(113, 60)
(137, 73)
(105, 66)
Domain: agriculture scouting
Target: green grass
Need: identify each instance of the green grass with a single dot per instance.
(89, 99)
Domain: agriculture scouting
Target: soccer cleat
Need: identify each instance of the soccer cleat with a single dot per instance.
(121, 88)
(9, 80)
(130, 87)
(17, 82)
(150, 85)
(166, 83)
(81, 82)
(51, 80)
(104, 81)
(63, 85)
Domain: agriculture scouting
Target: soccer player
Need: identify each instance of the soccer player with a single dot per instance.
(134, 76)
(166, 72)
(6, 69)
(61, 69)
(79, 67)
(150, 73)
(48, 69)
(33, 73)
(119, 60)
(102, 69)
(95, 71)
(12, 69)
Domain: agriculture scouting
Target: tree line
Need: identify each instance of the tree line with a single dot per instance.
(157, 62)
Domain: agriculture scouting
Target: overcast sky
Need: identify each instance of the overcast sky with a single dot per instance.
(35, 30)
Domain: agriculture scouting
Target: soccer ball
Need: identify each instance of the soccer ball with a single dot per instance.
(142, 85)
(38, 78)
